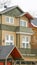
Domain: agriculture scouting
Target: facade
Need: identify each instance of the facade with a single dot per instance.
(16, 28)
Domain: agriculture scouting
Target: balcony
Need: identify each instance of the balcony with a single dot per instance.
(28, 52)
(23, 29)
(16, 28)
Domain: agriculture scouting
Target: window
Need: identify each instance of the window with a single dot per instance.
(26, 42)
(17, 62)
(9, 19)
(23, 23)
(7, 37)
(9, 40)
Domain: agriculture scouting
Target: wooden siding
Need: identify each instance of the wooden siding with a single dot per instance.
(0, 19)
(10, 33)
(0, 37)
(24, 18)
(19, 39)
(16, 20)
(34, 38)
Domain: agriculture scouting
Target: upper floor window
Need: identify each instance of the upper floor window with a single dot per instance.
(26, 42)
(9, 40)
(9, 19)
(23, 23)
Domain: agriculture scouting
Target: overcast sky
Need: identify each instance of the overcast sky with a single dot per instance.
(26, 5)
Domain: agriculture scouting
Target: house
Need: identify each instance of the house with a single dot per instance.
(15, 30)
(34, 28)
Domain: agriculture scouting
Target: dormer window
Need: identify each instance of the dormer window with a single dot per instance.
(23, 23)
(9, 19)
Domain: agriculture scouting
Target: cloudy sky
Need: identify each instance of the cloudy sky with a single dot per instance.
(26, 5)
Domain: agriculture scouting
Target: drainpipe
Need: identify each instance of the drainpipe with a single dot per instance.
(19, 33)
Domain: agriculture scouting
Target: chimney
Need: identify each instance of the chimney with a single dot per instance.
(5, 6)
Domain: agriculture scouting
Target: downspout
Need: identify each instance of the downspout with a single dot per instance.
(19, 31)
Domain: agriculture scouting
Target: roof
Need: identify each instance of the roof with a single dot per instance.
(5, 50)
(14, 11)
(28, 15)
(34, 22)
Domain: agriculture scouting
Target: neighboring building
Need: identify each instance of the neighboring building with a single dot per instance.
(16, 29)
(34, 28)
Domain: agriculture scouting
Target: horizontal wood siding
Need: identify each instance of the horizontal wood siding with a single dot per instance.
(16, 20)
(9, 33)
(19, 39)
(34, 38)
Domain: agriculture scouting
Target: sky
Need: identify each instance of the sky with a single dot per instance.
(25, 5)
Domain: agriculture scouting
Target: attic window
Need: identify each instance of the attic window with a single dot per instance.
(9, 19)
(23, 23)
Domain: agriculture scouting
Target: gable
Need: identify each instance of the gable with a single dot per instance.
(9, 51)
(12, 11)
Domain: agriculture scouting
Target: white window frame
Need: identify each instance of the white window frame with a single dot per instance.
(9, 41)
(9, 20)
(25, 42)
(23, 21)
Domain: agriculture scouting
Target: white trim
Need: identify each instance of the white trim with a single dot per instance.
(9, 19)
(9, 41)
(25, 41)
(23, 21)
(28, 54)
(12, 18)
(34, 25)
(24, 33)
(18, 52)
(9, 53)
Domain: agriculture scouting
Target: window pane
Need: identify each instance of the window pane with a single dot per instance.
(11, 38)
(17, 62)
(7, 19)
(11, 20)
(23, 39)
(7, 37)
(11, 44)
(25, 24)
(27, 45)
(23, 62)
(7, 43)
(22, 23)
(27, 39)
(23, 45)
